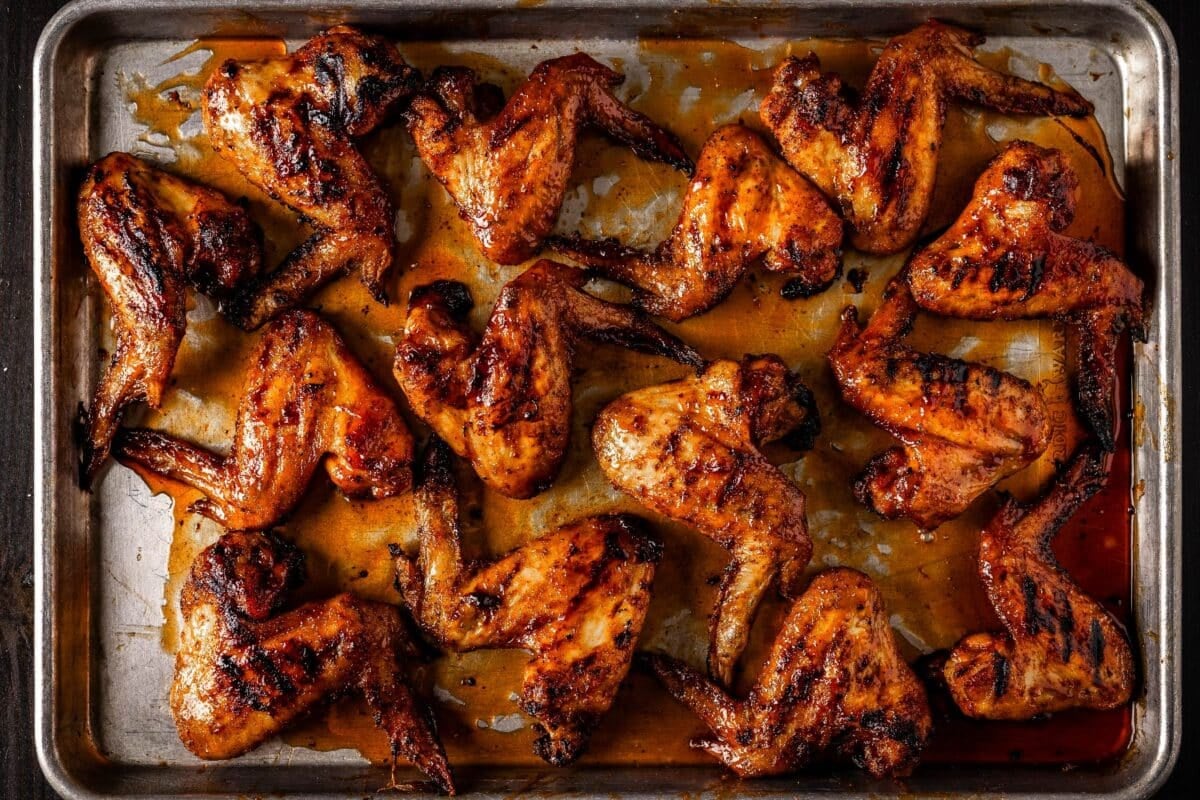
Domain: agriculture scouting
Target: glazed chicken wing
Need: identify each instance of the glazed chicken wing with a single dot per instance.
(1060, 649)
(307, 401)
(503, 401)
(147, 235)
(508, 172)
(878, 157)
(743, 205)
(834, 684)
(689, 450)
(245, 671)
(962, 426)
(289, 124)
(575, 598)
(1004, 259)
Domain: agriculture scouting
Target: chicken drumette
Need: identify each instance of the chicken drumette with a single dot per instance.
(689, 450)
(147, 235)
(575, 598)
(878, 157)
(508, 171)
(1060, 649)
(834, 684)
(962, 426)
(1003, 258)
(245, 670)
(503, 401)
(307, 400)
(289, 124)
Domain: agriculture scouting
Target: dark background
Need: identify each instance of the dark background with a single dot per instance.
(20, 776)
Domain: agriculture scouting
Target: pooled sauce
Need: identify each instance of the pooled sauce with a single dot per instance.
(928, 580)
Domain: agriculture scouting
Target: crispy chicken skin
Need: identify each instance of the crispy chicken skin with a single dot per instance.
(148, 234)
(834, 684)
(1003, 258)
(508, 171)
(1060, 649)
(503, 400)
(245, 669)
(289, 124)
(689, 450)
(962, 426)
(743, 206)
(878, 157)
(307, 401)
(575, 598)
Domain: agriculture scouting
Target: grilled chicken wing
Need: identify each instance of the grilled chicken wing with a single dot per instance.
(833, 684)
(147, 234)
(1004, 259)
(508, 172)
(689, 450)
(878, 157)
(742, 206)
(962, 426)
(575, 598)
(307, 400)
(289, 125)
(504, 401)
(245, 671)
(1060, 649)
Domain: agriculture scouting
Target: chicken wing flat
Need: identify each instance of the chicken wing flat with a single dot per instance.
(1060, 649)
(689, 450)
(503, 401)
(509, 172)
(1003, 258)
(878, 157)
(147, 234)
(743, 205)
(289, 124)
(575, 598)
(307, 400)
(834, 684)
(962, 426)
(245, 671)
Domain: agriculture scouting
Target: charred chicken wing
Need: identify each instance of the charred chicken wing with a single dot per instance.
(508, 171)
(1060, 649)
(834, 684)
(1004, 259)
(246, 670)
(962, 426)
(575, 598)
(689, 450)
(742, 206)
(289, 124)
(307, 400)
(147, 235)
(878, 157)
(503, 401)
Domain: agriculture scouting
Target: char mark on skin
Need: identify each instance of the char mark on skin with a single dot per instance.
(1000, 670)
(1096, 651)
(1066, 622)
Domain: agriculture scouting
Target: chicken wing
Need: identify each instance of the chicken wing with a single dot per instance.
(147, 234)
(1060, 649)
(1003, 258)
(834, 684)
(245, 671)
(307, 400)
(508, 172)
(689, 450)
(962, 426)
(878, 157)
(504, 401)
(289, 125)
(742, 206)
(575, 598)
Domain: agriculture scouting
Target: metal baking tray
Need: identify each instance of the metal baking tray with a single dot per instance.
(103, 730)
